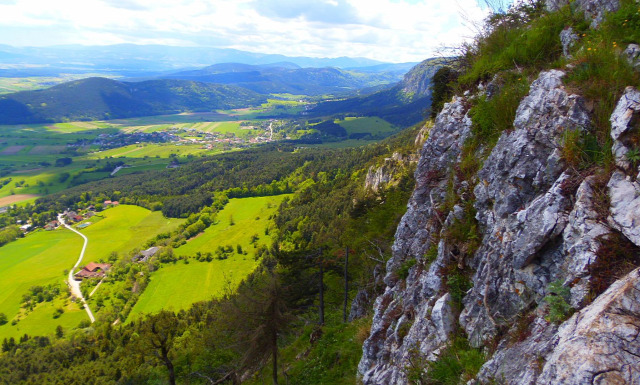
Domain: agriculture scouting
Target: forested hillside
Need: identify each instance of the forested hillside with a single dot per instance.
(101, 98)
(333, 208)
(403, 104)
(287, 78)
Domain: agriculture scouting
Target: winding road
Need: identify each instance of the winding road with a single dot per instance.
(73, 284)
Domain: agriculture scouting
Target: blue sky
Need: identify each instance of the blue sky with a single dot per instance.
(387, 30)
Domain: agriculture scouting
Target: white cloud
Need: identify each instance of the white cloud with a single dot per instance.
(388, 30)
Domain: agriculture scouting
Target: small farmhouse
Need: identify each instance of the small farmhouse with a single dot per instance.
(52, 225)
(92, 269)
(146, 254)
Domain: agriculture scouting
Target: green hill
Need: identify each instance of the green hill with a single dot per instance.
(101, 98)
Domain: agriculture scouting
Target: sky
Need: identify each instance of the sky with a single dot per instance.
(385, 30)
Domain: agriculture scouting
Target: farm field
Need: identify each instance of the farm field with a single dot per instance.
(11, 84)
(367, 125)
(151, 150)
(38, 259)
(179, 285)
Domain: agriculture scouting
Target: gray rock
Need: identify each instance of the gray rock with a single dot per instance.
(581, 241)
(443, 318)
(632, 53)
(544, 219)
(423, 134)
(389, 173)
(523, 210)
(419, 225)
(518, 362)
(625, 206)
(360, 305)
(402, 322)
(534, 231)
(594, 10)
(621, 119)
(527, 161)
(568, 38)
(600, 344)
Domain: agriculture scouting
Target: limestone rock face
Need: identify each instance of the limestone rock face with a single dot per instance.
(623, 121)
(440, 151)
(389, 172)
(632, 53)
(412, 315)
(568, 38)
(523, 209)
(359, 305)
(417, 81)
(600, 344)
(594, 10)
(539, 222)
(581, 241)
(625, 205)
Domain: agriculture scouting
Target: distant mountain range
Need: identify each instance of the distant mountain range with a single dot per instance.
(151, 60)
(101, 98)
(404, 104)
(228, 85)
(287, 77)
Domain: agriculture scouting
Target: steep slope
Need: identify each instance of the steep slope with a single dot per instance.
(522, 261)
(101, 98)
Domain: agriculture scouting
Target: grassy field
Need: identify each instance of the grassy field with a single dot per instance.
(41, 258)
(151, 150)
(38, 259)
(122, 229)
(177, 286)
(369, 125)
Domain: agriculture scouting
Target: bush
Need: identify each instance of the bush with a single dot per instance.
(403, 271)
(458, 285)
(559, 308)
(3, 319)
(442, 88)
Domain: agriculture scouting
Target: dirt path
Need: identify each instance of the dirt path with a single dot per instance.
(73, 284)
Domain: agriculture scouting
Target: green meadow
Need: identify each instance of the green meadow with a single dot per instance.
(122, 229)
(367, 125)
(177, 286)
(164, 150)
(41, 258)
(38, 259)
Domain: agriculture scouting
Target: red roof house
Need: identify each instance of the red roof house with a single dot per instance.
(92, 269)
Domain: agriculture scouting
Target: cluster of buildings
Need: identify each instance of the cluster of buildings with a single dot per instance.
(92, 270)
(121, 139)
(74, 217)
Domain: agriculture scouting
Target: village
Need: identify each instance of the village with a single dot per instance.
(179, 136)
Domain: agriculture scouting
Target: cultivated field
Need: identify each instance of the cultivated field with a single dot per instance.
(11, 199)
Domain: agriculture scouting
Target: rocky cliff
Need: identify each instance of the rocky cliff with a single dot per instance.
(417, 82)
(541, 243)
